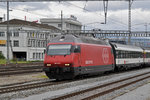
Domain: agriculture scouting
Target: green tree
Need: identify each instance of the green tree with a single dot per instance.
(1, 56)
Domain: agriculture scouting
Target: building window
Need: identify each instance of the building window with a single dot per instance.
(2, 34)
(29, 43)
(38, 43)
(42, 55)
(28, 34)
(10, 33)
(16, 43)
(10, 43)
(16, 34)
(39, 55)
(33, 43)
(59, 25)
(34, 56)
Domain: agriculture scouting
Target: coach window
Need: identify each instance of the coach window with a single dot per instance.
(127, 54)
(148, 55)
(141, 55)
(137, 54)
(132, 54)
(119, 54)
(124, 54)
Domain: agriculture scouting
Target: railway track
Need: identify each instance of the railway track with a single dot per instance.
(19, 87)
(104, 89)
(21, 64)
(11, 70)
(33, 85)
(20, 72)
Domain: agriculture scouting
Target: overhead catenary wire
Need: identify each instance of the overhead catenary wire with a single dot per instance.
(113, 20)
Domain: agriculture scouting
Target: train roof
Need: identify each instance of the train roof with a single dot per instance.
(127, 47)
(78, 39)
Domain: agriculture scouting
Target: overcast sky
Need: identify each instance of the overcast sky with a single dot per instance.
(86, 12)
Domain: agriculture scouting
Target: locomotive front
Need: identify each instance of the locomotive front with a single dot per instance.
(60, 60)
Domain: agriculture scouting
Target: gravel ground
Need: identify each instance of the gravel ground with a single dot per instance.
(141, 93)
(11, 79)
(127, 90)
(61, 89)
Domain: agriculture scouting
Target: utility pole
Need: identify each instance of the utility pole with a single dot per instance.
(129, 23)
(105, 2)
(61, 21)
(8, 36)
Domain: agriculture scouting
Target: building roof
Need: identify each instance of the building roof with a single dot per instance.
(27, 23)
(56, 20)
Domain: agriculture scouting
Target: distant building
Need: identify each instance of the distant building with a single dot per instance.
(27, 39)
(68, 23)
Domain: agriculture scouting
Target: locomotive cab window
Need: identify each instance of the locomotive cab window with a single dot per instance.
(77, 49)
(59, 49)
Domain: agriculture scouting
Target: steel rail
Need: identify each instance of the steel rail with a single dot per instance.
(28, 86)
(20, 72)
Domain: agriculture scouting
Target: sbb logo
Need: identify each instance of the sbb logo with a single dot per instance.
(105, 55)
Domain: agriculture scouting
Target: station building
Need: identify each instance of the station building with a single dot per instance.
(27, 39)
(67, 23)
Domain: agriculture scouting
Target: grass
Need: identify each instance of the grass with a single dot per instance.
(42, 76)
(3, 61)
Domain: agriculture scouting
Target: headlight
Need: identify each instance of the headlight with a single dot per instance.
(67, 64)
(48, 64)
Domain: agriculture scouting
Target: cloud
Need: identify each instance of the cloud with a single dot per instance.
(116, 5)
(30, 5)
(117, 18)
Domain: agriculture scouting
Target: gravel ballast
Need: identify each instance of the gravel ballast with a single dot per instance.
(61, 89)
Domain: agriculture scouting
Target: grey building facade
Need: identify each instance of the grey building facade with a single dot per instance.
(27, 39)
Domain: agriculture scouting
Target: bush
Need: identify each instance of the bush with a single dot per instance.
(1, 56)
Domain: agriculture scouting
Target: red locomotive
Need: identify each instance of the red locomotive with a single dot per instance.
(68, 56)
